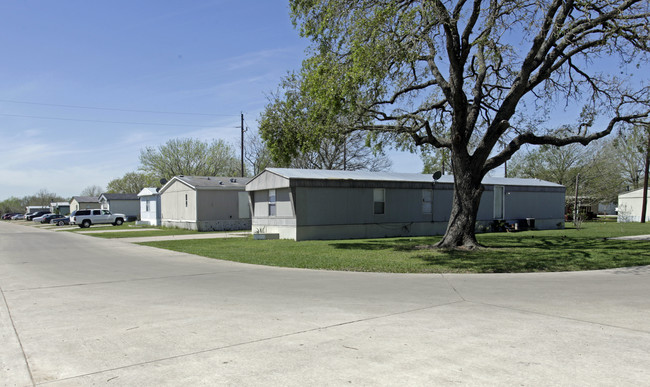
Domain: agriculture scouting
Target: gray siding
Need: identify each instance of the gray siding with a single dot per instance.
(339, 209)
(217, 205)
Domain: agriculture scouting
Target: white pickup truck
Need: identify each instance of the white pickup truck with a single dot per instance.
(86, 218)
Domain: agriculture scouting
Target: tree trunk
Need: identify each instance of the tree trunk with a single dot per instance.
(461, 231)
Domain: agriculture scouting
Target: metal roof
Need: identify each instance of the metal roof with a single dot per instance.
(210, 182)
(119, 196)
(322, 174)
(148, 191)
(86, 199)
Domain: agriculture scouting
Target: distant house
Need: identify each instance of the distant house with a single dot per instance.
(32, 209)
(319, 204)
(61, 208)
(629, 206)
(121, 203)
(205, 203)
(83, 203)
(149, 207)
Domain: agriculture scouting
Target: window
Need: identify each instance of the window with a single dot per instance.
(427, 198)
(379, 196)
(148, 206)
(185, 200)
(272, 208)
(498, 202)
(96, 212)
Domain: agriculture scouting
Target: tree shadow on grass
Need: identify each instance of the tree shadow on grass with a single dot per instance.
(401, 244)
(505, 253)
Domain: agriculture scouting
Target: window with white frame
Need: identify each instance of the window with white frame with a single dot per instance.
(185, 200)
(272, 203)
(147, 205)
(379, 201)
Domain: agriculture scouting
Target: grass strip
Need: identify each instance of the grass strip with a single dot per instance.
(531, 251)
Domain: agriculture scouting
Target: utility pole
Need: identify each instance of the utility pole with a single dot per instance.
(242, 144)
(644, 205)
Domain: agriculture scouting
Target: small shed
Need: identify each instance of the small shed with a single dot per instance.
(305, 204)
(629, 206)
(121, 203)
(205, 203)
(83, 203)
(149, 207)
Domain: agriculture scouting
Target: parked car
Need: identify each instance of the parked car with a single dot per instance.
(38, 219)
(35, 215)
(18, 217)
(61, 221)
(9, 215)
(86, 218)
(49, 217)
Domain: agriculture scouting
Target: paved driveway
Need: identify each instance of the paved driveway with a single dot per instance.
(79, 311)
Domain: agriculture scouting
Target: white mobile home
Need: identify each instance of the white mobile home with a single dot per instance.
(149, 207)
(205, 203)
(629, 206)
(319, 204)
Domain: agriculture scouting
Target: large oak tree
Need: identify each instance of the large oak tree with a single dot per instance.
(479, 78)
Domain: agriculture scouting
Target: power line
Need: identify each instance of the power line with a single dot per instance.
(116, 109)
(103, 122)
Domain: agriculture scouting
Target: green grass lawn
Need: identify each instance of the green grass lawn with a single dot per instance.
(160, 232)
(530, 251)
(114, 231)
(123, 226)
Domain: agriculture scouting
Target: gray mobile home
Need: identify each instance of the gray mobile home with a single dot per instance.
(305, 204)
(121, 203)
(205, 203)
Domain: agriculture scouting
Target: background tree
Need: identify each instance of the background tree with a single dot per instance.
(346, 153)
(92, 190)
(478, 78)
(434, 159)
(12, 205)
(43, 198)
(190, 157)
(631, 147)
(132, 182)
(600, 180)
(289, 111)
(256, 153)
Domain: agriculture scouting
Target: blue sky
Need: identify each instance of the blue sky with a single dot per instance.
(215, 57)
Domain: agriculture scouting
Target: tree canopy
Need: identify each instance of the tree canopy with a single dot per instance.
(192, 157)
(479, 78)
(132, 182)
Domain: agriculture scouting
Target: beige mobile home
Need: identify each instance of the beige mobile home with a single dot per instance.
(205, 203)
(304, 204)
(83, 203)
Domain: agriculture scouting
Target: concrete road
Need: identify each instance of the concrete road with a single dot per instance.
(80, 311)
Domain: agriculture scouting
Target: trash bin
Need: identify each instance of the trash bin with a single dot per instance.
(530, 222)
